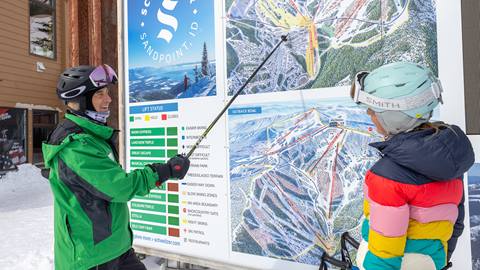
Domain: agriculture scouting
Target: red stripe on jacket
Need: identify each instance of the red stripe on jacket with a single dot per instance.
(391, 193)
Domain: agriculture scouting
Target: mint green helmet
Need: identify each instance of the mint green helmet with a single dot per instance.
(402, 94)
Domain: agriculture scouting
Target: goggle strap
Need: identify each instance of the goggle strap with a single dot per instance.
(404, 104)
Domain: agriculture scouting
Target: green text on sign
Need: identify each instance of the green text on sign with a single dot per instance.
(153, 196)
(147, 142)
(149, 206)
(142, 163)
(149, 228)
(147, 153)
(149, 217)
(147, 132)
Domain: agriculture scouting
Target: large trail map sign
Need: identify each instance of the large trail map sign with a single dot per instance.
(280, 177)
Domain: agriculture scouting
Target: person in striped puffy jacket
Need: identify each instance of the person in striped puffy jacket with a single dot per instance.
(413, 203)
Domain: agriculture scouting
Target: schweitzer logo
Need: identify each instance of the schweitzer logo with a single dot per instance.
(167, 20)
(163, 32)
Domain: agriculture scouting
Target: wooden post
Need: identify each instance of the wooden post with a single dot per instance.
(73, 34)
(64, 27)
(30, 136)
(95, 21)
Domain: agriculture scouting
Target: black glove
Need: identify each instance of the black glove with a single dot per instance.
(176, 167)
(179, 165)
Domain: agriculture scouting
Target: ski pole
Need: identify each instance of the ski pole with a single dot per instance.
(204, 134)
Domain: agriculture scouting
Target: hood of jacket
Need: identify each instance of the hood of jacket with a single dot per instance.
(50, 149)
(444, 155)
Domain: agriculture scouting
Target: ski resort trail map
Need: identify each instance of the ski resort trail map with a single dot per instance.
(296, 177)
(328, 40)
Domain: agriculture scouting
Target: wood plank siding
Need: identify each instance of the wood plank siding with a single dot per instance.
(85, 34)
(19, 80)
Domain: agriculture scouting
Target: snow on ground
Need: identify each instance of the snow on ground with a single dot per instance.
(26, 222)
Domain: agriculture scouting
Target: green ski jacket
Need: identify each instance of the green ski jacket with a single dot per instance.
(91, 191)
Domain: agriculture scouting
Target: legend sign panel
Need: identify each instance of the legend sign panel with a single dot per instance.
(179, 214)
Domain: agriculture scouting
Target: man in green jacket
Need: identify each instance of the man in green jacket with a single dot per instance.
(90, 188)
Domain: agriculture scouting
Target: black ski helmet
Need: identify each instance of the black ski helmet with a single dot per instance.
(76, 83)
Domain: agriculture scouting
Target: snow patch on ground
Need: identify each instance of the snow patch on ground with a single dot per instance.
(26, 220)
(24, 189)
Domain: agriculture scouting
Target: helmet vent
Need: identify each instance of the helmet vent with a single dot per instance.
(400, 85)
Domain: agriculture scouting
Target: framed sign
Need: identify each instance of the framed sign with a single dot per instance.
(13, 134)
(280, 176)
(42, 28)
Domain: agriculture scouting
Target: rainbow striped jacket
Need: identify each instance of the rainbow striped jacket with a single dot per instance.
(414, 198)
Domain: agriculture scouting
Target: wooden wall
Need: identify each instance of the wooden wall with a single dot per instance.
(19, 80)
(86, 34)
(92, 36)
(21, 86)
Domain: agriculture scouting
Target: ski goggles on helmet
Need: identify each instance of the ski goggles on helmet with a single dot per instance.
(360, 96)
(103, 75)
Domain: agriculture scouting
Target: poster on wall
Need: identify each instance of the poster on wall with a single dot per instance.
(474, 206)
(12, 134)
(328, 41)
(42, 28)
(171, 50)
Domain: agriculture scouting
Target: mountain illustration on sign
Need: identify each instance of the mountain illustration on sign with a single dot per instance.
(172, 82)
(296, 178)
